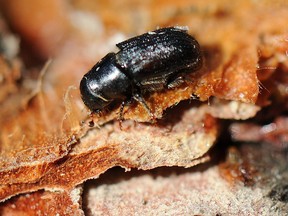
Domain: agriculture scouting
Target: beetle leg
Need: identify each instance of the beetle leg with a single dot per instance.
(179, 81)
(121, 118)
(141, 100)
(176, 82)
(153, 84)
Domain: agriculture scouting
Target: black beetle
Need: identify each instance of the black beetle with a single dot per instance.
(150, 62)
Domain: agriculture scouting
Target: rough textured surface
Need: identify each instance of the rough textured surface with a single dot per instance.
(239, 186)
(183, 194)
(143, 146)
(45, 138)
(45, 203)
(129, 147)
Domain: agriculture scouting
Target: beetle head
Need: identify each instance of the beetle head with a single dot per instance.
(91, 95)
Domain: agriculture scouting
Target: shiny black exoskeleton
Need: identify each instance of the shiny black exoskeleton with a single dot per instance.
(150, 62)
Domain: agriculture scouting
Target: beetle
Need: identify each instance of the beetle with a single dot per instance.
(150, 62)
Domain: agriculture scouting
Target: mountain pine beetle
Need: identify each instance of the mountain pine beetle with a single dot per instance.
(147, 63)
